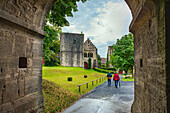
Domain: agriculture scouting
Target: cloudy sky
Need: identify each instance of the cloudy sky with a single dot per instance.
(102, 21)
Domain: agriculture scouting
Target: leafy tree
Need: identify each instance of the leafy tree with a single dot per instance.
(99, 59)
(49, 41)
(60, 10)
(54, 58)
(55, 19)
(107, 64)
(123, 54)
(89, 63)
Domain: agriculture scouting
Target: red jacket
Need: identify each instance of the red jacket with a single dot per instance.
(116, 77)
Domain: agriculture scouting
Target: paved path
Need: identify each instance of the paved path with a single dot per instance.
(106, 99)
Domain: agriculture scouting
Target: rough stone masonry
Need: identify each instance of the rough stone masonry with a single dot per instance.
(21, 40)
(71, 50)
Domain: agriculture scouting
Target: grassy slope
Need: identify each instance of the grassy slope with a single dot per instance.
(56, 99)
(60, 74)
(60, 93)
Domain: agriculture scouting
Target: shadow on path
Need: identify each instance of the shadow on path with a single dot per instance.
(106, 99)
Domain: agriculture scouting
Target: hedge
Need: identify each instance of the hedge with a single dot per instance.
(103, 71)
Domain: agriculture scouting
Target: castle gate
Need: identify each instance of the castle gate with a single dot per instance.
(21, 40)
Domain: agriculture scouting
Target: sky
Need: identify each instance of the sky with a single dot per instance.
(102, 21)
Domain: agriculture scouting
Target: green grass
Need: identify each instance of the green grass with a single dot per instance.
(127, 79)
(56, 99)
(60, 93)
(60, 74)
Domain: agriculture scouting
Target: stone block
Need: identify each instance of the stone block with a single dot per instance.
(29, 103)
(1, 84)
(32, 84)
(7, 40)
(10, 91)
(8, 107)
(29, 49)
(37, 49)
(20, 45)
(21, 87)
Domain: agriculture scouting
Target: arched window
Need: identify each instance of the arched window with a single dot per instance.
(85, 54)
(90, 54)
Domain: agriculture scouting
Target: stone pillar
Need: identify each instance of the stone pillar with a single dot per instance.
(167, 25)
(148, 27)
(21, 50)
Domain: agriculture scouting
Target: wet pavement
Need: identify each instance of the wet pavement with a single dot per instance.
(106, 99)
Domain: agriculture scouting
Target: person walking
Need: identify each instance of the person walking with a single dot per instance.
(109, 76)
(116, 78)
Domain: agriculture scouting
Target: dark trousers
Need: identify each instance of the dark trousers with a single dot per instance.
(109, 81)
(116, 83)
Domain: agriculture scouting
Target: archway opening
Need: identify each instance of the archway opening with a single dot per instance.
(89, 54)
(21, 34)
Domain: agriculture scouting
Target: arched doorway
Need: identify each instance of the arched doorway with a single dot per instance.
(21, 34)
(85, 65)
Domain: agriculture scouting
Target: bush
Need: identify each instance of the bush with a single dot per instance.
(107, 64)
(69, 78)
(103, 65)
(85, 76)
(114, 69)
(103, 71)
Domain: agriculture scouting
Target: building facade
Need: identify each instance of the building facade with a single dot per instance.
(71, 49)
(90, 51)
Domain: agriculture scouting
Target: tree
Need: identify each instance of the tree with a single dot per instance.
(55, 19)
(99, 59)
(123, 53)
(60, 10)
(89, 63)
(107, 62)
(49, 41)
(54, 58)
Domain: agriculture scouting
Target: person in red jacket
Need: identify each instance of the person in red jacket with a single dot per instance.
(116, 78)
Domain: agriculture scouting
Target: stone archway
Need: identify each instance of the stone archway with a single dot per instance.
(21, 38)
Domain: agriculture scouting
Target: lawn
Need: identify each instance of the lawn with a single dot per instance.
(60, 74)
(127, 79)
(60, 93)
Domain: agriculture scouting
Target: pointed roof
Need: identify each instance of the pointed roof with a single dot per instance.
(89, 41)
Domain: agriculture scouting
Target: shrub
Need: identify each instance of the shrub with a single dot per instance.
(103, 71)
(69, 78)
(114, 69)
(103, 65)
(85, 76)
(107, 64)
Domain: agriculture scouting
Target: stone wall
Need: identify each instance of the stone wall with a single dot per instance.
(150, 59)
(167, 30)
(20, 69)
(21, 35)
(21, 41)
(71, 50)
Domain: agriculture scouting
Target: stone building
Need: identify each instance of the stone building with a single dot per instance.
(110, 52)
(90, 51)
(21, 39)
(71, 49)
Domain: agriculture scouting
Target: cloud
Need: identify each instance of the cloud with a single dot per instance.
(102, 21)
